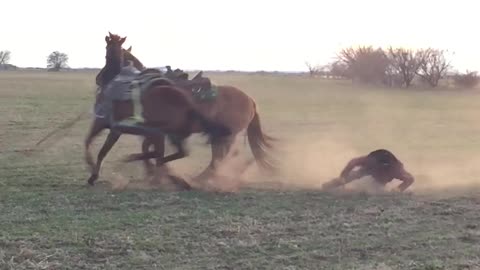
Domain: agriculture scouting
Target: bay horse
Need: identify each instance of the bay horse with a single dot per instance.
(167, 110)
(236, 110)
(232, 107)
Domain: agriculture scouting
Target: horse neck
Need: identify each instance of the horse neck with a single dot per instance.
(136, 63)
(111, 69)
(99, 78)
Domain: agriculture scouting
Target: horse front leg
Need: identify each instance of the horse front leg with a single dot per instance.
(112, 138)
(181, 153)
(161, 168)
(159, 152)
(149, 167)
(97, 126)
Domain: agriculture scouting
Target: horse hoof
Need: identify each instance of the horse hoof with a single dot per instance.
(180, 182)
(91, 180)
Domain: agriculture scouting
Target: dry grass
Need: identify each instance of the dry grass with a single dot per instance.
(50, 220)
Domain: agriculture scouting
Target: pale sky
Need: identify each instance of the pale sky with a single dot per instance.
(242, 35)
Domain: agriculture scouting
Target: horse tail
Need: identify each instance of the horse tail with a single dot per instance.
(259, 143)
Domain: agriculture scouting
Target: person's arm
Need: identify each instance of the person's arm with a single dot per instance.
(359, 161)
(406, 178)
(344, 175)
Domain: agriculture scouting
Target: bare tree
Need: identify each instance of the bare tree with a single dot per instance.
(366, 64)
(57, 60)
(312, 69)
(324, 71)
(338, 69)
(469, 79)
(404, 64)
(433, 65)
(4, 57)
(392, 77)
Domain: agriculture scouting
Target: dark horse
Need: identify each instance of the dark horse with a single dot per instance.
(113, 64)
(167, 110)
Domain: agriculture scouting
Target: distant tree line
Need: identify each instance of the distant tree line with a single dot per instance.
(393, 67)
(55, 61)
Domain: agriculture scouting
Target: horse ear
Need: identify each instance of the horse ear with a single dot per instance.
(123, 40)
(110, 34)
(107, 39)
(129, 49)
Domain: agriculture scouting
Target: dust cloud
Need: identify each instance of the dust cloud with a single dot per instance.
(228, 178)
(309, 164)
(308, 161)
(443, 176)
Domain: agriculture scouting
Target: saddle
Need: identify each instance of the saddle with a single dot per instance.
(129, 85)
(200, 87)
(120, 88)
(125, 89)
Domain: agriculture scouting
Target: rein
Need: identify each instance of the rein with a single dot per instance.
(65, 125)
(69, 123)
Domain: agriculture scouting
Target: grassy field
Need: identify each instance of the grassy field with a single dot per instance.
(49, 219)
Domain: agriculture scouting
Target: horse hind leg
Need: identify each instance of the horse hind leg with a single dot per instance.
(227, 153)
(220, 149)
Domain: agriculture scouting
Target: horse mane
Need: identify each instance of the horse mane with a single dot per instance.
(99, 77)
(129, 56)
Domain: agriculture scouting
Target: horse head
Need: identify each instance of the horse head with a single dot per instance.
(115, 52)
(129, 57)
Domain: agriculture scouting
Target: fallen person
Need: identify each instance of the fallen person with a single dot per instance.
(380, 164)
